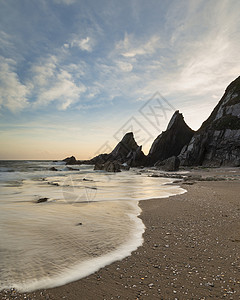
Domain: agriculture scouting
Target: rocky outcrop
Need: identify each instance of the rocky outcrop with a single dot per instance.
(170, 142)
(170, 164)
(71, 160)
(109, 166)
(128, 151)
(217, 142)
(99, 159)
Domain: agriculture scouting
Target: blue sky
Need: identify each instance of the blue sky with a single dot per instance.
(73, 72)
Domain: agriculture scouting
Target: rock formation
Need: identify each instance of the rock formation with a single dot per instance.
(170, 142)
(128, 151)
(170, 164)
(217, 142)
(70, 160)
(109, 166)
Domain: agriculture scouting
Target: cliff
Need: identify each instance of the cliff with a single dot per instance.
(217, 142)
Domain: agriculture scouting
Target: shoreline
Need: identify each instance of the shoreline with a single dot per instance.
(191, 250)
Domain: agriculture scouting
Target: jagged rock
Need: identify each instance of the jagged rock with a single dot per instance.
(125, 146)
(170, 164)
(128, 151)
(170, 142)
(217, 142)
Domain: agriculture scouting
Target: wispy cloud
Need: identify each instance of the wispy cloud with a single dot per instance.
(67, 2)
(51, 82)
(131, 47)
(84, 44)
(13, 94)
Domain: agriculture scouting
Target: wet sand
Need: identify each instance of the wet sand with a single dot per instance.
(191, 250)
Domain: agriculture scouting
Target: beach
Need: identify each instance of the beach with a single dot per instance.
(191, 250)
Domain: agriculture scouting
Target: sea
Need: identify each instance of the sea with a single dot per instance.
(61, 223)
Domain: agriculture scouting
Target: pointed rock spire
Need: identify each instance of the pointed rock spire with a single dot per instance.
(170, 142)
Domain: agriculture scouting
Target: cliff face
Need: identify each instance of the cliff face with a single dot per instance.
(170, 142)
(217, 142)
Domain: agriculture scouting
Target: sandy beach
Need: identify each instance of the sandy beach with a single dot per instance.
(191, 249)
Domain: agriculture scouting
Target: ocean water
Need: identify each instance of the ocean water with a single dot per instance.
(89, 220)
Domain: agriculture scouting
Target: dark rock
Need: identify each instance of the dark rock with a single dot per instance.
(128, 151)
(112, 166)
(67, 159)
(53, 169)
(79, 224)
(71, 160)
(170, 164)
(217, 142)
(170, 142)
(72, 169)
(99, 159)
(109, 166)
(41, 200)
(53, 183)
(193, 178)
(99, 166)
(189, 182)
(124, 147)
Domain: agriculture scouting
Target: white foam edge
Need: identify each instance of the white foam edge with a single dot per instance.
(92, 265)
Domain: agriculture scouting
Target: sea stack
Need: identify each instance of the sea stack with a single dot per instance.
(170, 142)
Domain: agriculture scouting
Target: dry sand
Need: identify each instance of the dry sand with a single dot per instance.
(191, 250)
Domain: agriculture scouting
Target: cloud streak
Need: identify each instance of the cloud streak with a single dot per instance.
(13, 94)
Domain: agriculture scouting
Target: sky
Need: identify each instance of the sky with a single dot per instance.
(76, 75)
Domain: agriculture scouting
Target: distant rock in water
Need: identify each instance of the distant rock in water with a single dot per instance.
(72, 169)
(41, 200)
(170, 142)
(217, 142)
(52, 169)
(70, 160)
